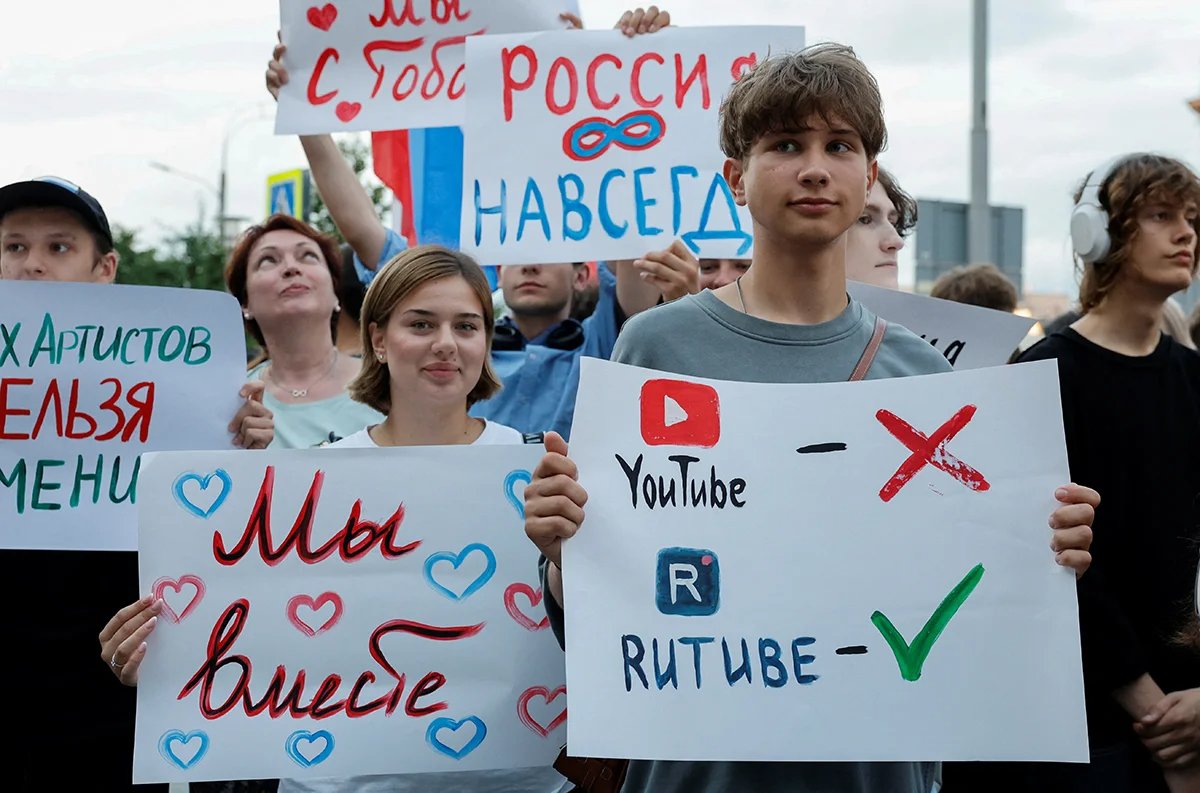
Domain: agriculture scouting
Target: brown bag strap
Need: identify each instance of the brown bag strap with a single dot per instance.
(868, 356)
(591, 774)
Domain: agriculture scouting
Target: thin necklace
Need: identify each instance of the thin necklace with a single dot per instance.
(741, 299)
(300, 393)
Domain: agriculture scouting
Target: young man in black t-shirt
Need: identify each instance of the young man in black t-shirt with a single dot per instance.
(1131, 410)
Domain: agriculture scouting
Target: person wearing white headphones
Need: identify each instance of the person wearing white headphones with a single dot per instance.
(1131, 410)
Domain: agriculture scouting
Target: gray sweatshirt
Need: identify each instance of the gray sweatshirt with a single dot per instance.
(701, 336)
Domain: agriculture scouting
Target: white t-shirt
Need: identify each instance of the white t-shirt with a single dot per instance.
(515, 780)
(493, 433)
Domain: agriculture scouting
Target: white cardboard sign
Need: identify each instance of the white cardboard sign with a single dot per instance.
(340, 613)
(389, 64)
(591, 145)
(835, 572)
(91, 376)
(970, 337)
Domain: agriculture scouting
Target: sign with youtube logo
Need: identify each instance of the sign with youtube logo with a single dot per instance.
(679, 413)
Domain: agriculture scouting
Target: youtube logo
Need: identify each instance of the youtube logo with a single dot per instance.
(679, 413)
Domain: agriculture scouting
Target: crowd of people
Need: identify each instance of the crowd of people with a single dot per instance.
(421, 359)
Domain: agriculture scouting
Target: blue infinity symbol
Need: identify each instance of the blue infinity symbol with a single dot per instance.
(634, 131)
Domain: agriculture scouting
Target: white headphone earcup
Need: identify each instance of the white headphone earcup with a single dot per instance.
(1089, 232)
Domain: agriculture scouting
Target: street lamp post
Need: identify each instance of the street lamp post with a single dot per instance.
(221, 190)
(979, 214)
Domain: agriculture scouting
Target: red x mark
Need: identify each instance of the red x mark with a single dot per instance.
(931, 450)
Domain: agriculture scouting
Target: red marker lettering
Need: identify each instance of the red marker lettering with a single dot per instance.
(313, 97)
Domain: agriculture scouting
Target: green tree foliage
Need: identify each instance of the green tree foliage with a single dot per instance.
(192, 258)
(357, 150)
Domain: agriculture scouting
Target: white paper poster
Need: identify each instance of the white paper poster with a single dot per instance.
(335, 613)
(91, 376)
(389, 64)
(971, 337)
(849, 571)
(591, 145)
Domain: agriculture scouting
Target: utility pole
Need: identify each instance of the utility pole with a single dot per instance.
(979, 214)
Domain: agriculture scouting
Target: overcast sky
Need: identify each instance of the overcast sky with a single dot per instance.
(93, 91)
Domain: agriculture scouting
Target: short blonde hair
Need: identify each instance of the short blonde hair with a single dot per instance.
(399, 278)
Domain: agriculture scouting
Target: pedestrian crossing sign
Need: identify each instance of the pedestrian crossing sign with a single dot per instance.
(288, 193)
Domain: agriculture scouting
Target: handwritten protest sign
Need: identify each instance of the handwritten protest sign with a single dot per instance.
(389, 64)
(850, 571)
(91, 376)
(343, 612)
(969, 336)
(618, 139)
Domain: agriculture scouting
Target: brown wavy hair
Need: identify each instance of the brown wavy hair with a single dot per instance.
(399, 278)
(906, 205)
(238, 265)
(1138, 181)
(826, 80)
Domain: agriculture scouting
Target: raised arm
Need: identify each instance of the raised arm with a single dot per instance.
(348, 203)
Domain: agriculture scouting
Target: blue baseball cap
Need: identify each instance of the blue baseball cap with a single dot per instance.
(50, 191)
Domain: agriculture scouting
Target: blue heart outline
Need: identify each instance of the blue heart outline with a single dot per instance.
(519, 475)
(203, 480)
(456, 559)
(293, 752)
(444, 723)
(164, 747)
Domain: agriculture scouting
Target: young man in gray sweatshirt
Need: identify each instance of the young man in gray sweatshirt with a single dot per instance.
(801, 133)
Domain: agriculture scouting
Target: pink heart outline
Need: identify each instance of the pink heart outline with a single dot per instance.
(514, 611)
(177, 584)
(347, 111)
(549, 696)
(323, 17)
(314, 605)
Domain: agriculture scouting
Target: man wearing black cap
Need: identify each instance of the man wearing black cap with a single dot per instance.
(52, 230)
(71, 727)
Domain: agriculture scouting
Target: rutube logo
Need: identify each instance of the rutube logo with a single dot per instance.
(679, 413)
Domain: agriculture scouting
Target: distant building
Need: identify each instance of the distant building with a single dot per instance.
(942, 241)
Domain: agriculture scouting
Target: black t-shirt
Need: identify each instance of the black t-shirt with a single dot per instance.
(1133, 434)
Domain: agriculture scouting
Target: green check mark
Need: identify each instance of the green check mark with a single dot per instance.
(911, 657)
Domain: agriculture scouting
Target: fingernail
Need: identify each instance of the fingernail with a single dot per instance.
(1052, 522)
(1061, 493)
(150, 623)
(141, 647)
(148, 599)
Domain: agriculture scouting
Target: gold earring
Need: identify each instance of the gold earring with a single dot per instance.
(379, 356)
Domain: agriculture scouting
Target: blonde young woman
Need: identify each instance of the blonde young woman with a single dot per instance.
(427, 325)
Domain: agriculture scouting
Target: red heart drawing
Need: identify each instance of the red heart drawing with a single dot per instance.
(346, 111)
(314, 606)
(742, 65)
(177, 585)
(549, 696)
(322, 17)
(535, 599)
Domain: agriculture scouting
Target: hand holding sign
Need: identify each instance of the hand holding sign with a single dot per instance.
(554, 501)
(123, 640)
